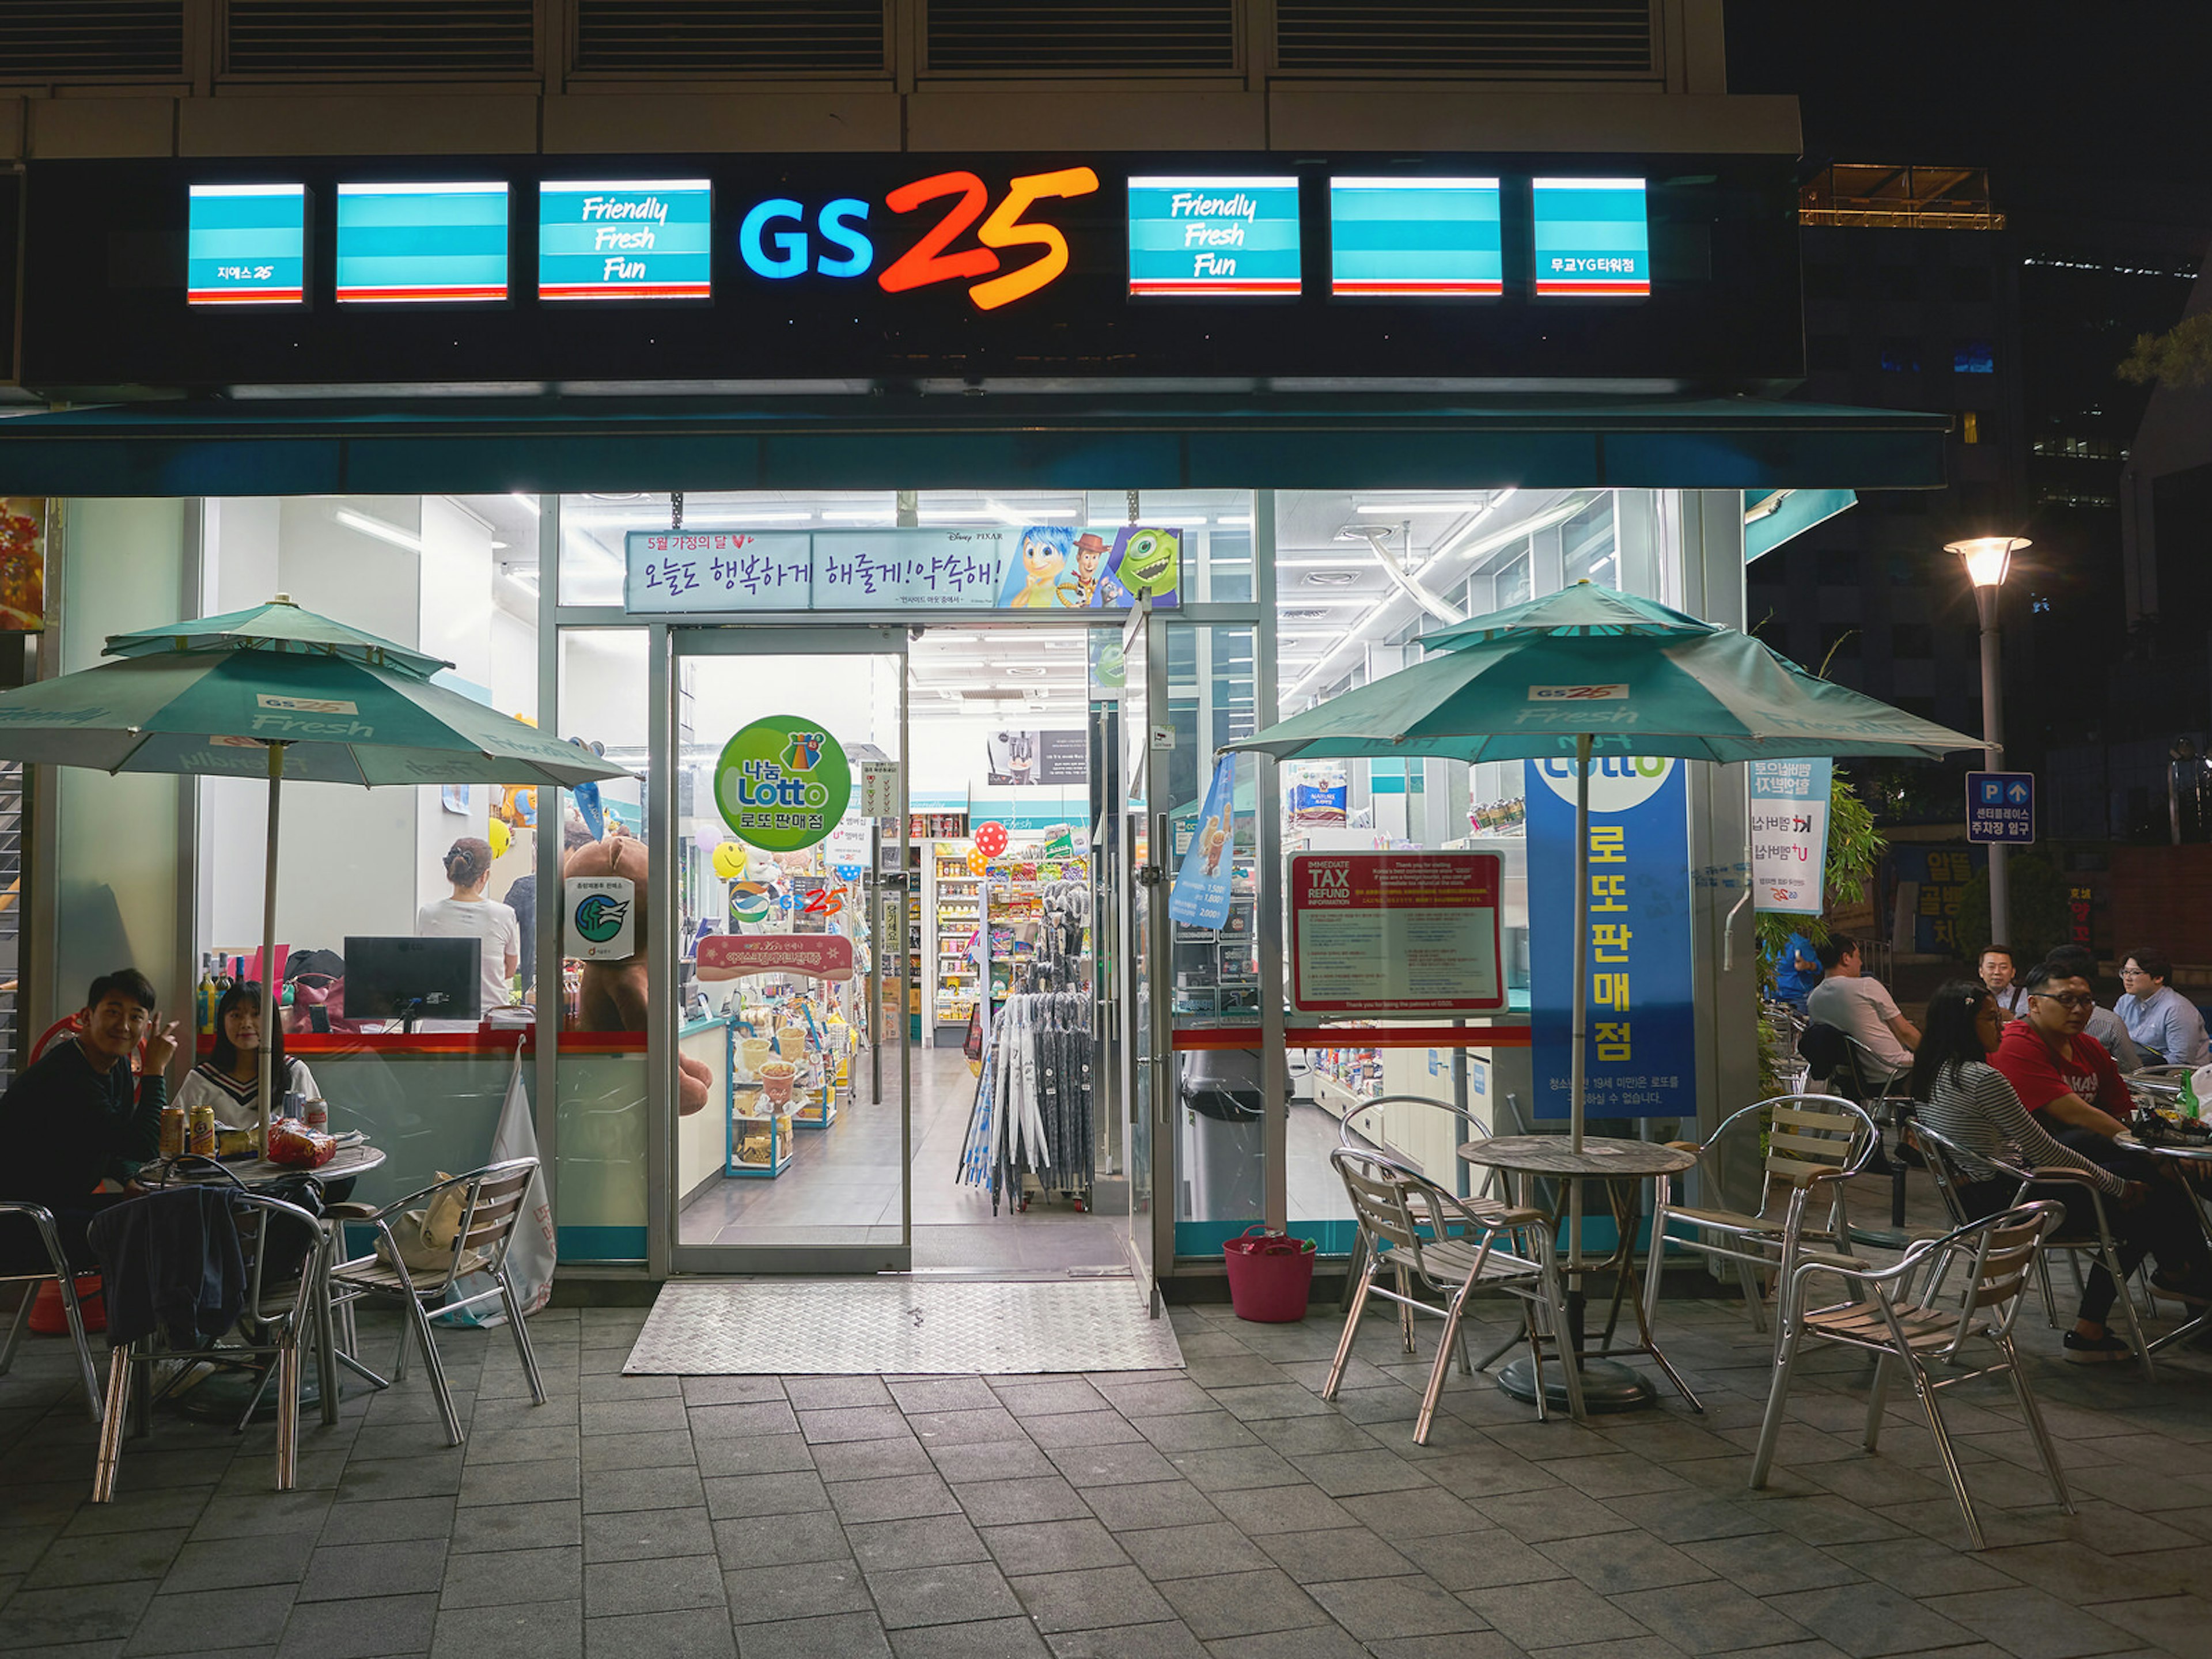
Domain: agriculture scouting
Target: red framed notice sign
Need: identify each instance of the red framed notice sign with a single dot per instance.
(1395, 932)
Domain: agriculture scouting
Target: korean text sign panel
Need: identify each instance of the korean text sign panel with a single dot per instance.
(1641, 1058)
(1046, 567)
(1591, 238)
(1789, 835)
(1414, 237)
(1213, 236)
(247, 245)
(1395, 932)
(422, 242)
(650, 239)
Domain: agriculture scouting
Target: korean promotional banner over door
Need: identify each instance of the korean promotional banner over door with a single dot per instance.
(1643, 1054)
(1789, 834)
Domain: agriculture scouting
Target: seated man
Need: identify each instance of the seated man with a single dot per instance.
(74, 1119)
(1796, 971)
(1997, 969)
(2164, 1023)
(2069, 1083)
(1859, 1007)
(2075, 962)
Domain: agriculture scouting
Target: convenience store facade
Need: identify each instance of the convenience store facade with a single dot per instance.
(1260, 353)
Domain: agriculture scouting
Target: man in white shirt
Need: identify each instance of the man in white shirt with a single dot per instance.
(1997, 971)
(1864, 1011)
(2165, 1023)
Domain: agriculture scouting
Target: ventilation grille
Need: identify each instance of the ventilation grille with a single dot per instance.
(730, 37)
(1081, 37)
(380, 37)
(1466, 37)
(90, 40)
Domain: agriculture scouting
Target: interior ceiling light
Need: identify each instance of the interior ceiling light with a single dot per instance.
(1443, 504)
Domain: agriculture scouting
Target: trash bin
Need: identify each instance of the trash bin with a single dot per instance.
(1270, 1275)
(1225, 1136)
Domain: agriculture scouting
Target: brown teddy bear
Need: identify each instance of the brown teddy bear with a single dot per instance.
(612, 996)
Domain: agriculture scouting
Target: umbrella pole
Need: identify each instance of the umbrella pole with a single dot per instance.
(271, 1015)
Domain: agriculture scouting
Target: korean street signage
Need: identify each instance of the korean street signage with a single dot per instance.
(1395, 932)
(2001, 808)
(1036, 567)
(989, 268)
(826, 957)
(1641, 1020)
(1789, 835)
(782, 783)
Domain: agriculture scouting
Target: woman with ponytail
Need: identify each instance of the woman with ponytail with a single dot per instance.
(469, 915)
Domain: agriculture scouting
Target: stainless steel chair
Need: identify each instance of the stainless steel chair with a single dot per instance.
(286, 1299)
(1428, 1237)
(490, 1205)
(1883, 1318)
(1954, 1167)
(37, 1218)
(1815, 1143)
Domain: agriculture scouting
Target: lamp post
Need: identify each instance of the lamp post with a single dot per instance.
(1987, 559)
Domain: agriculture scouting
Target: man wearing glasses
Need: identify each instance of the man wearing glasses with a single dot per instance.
(2165, 1023)
(2066, 1078)
(77, 1117)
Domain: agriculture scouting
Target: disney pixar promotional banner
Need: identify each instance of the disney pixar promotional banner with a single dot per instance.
(1643, 1055)
(1037, 568)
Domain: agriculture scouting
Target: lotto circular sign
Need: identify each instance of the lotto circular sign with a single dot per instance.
(782, 783)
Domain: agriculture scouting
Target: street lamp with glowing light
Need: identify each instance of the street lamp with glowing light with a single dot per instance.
(1988, 559)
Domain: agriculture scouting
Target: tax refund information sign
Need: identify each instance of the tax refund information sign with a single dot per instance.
(1395, 932)
(782, 783)
(1642, 1057)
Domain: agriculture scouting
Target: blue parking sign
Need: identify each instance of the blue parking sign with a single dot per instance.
(2001, 807)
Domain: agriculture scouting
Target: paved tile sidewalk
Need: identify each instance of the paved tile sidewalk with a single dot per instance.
(1224, 1510)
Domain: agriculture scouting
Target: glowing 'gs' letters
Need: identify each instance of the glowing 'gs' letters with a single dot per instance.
(773, 242)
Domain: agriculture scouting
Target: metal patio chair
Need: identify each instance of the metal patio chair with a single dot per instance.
(491, 1204)
(1954, 1167)
(1815, 1143)
(1883, 1318)
(40, 1219)
(1362, 1129)
(1428, 1237)
(285, 1302)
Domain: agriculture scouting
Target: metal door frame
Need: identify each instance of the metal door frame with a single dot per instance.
(668, 647)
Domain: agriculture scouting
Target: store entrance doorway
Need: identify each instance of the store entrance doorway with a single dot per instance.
(906, 1030)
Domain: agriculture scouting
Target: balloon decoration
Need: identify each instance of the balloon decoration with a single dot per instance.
(730, 860)
(991, 838)
(848, 873)
(976, 861)
(500, 836)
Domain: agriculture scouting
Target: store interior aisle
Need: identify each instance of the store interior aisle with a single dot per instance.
(842, 1188)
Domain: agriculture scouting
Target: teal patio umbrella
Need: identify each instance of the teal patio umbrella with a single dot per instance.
(278, 692)
(1588, 672)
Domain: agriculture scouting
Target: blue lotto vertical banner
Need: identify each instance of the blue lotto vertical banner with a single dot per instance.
(1642, 1042)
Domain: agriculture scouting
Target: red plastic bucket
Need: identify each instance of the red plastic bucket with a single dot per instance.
(49, 1318)
(1270, 1275)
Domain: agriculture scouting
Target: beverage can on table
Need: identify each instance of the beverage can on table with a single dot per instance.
(202, 1131)
(315, 1113)
(173, 1133)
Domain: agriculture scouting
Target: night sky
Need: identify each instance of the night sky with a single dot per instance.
(2047, 95)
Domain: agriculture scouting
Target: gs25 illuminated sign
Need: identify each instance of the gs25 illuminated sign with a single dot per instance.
(775, 242)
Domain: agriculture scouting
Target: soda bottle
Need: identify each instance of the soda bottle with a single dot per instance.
(2188, 1103)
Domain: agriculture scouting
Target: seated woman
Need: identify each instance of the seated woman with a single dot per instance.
(469, 915)
(1969, 1102)
(229, 1079)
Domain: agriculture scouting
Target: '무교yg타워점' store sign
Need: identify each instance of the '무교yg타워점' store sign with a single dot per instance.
(782, 783)
(1039, 567)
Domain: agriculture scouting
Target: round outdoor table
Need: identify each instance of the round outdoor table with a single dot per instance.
(1618, 1164)
(346, 1163)
(2184, 1154)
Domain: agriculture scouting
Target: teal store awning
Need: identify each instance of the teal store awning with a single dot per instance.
(1116, 438)
(1772, 516)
